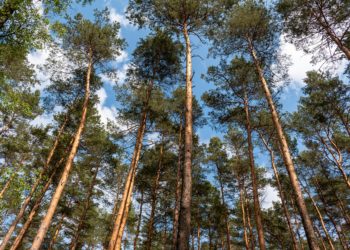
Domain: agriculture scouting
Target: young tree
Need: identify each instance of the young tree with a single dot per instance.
(250, 29)
(180, 17)
(155, 64)
(95, 44)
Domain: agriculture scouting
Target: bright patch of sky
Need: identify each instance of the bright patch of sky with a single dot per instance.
(108, 105)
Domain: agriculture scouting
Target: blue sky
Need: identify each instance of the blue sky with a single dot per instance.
(107, 108)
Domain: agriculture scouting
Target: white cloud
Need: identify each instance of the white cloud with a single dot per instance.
(116, 17)
(38, 58)
(106, 113)
(301, 63)
(271, 195)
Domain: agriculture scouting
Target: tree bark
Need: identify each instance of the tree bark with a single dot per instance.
(16, 244)
(57, 231)
(228, 241)
(198, 237)
(178, 188)
(138, 222)
(257, 209)
(26, 202)
(329, 239)
(184, 230)
(13, 175)
(154, 202)
(280, 191)
(119, 225)
(287, 158)
(64, 178)
(82, 219)
(242, 201)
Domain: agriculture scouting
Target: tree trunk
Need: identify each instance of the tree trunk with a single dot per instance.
(257, 210)
(251, 233)
(57, 231)
(7, 185)
(26, 202)
(13, 175)
(242, 200)
(280, 191)
(16, 244)
(138, 222)
(330, 216)
(82, 219)
(287, 158)
(228, 241)
(184, 230)
(178, 188)
(119, 225)
(154, 202)
(64, 178)
(329, 239)
(198, 237)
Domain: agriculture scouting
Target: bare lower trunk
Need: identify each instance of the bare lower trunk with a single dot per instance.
(64, 178)
(329, 239)
(251, 232)
(198, 237)
(154, 202)
(184, 230)
(122, 215)
(257, 210)
(57, 231)
(178, 189)
(287, 158)
(16, 244)
(82, 219)
(138, 222)
(280, 192)
(26, 202)
(242, 201)
(228, 242)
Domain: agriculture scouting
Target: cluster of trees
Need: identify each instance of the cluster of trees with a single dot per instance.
(77, 183)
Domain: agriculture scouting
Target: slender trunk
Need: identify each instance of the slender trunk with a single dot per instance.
(242, 200)
(287, 158)
(57, 231)
(154, 202)
(320, 217)
(26, 202)
(224, 204)
(184, 230)
(321, 238)
(64, 178)
(138, 222)
(251, 232)
(82, 219)
(178, 188)
(16, 244)
(198, 237)
(12, 177)
(328, 213)
(337, 160)
(210, 235)
(280, 191)
(257, 210)
(7, 185)
(119, 225)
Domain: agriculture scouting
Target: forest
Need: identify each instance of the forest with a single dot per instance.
(174, 124)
